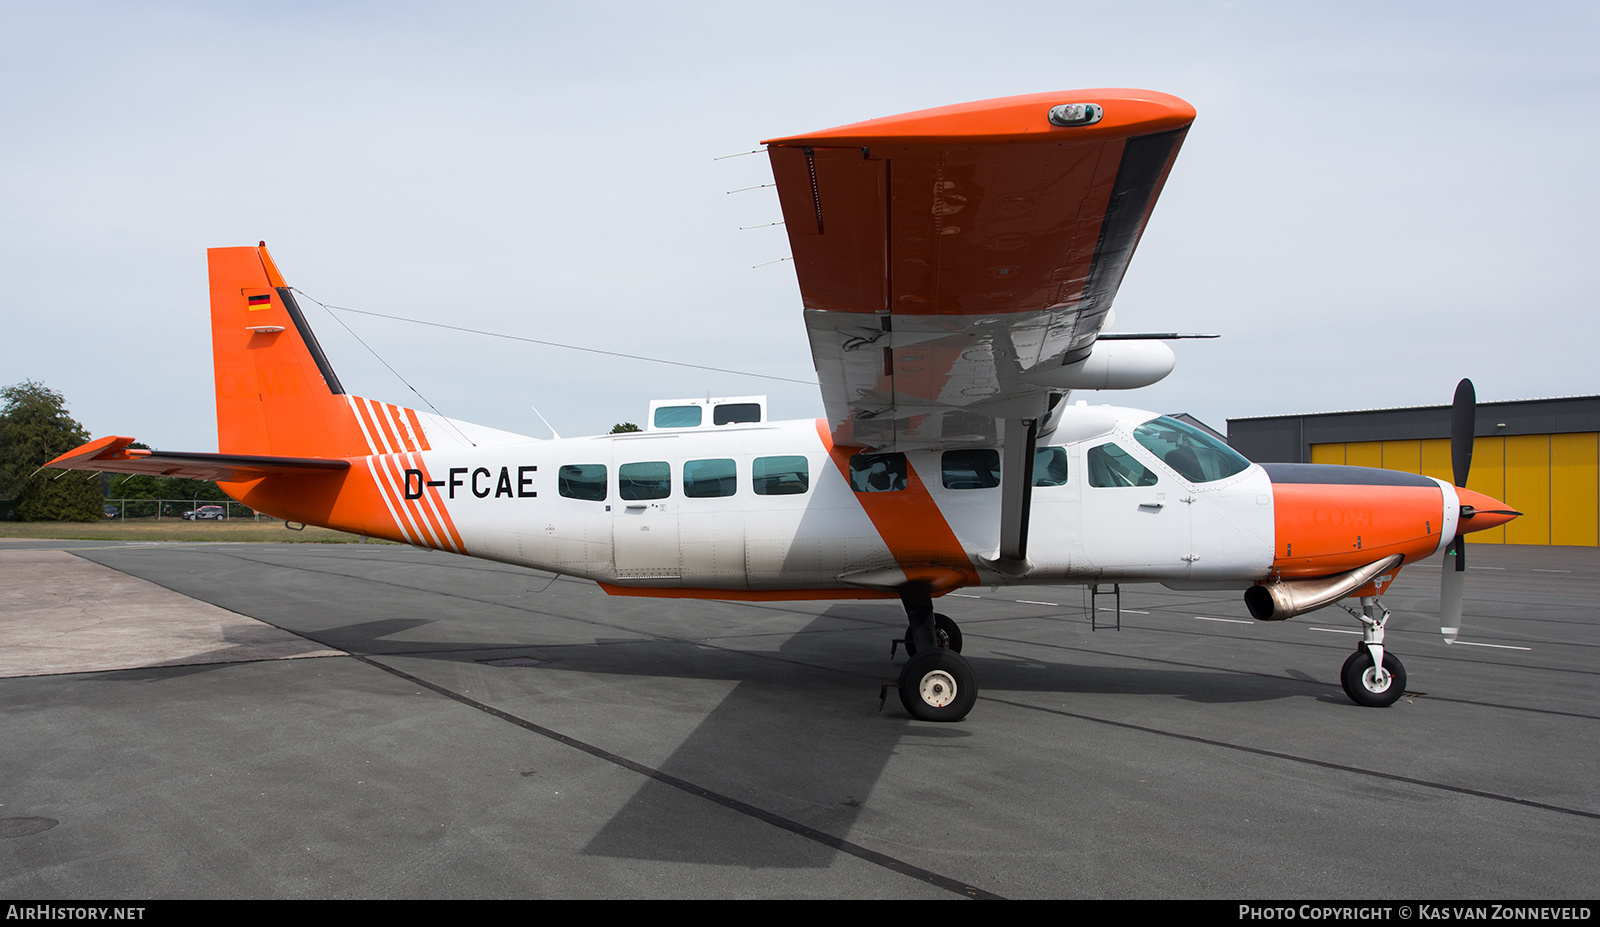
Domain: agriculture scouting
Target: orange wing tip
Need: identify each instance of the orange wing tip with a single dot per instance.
(107, 448)
(1019, 118)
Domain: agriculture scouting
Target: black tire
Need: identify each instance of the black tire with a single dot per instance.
(1357, 683)
(938, 686)
(945, 629)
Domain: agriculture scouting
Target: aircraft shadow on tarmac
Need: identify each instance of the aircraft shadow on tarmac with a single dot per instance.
(791, 722)
(798, 719)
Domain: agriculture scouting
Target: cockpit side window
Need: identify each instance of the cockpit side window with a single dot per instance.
(1197, 456)
(1050, 466)
(1110, 465)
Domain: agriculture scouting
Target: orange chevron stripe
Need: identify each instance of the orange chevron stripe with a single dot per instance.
(416, 429)
(393, 482)
(381, 413)
(400, 426)
(369, 428)
(910, 523)
(438, 508)
(422, 509)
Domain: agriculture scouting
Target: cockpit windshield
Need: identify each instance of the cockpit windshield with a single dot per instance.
(1198, 457)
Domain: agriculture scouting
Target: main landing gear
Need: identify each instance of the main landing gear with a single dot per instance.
(937, 683)
(1372, 677)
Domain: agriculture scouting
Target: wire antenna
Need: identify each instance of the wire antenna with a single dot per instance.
(551, 344)
(390, 366)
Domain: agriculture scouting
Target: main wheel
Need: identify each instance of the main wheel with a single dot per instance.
(938, 686)
(1360, 679)
(944, 630)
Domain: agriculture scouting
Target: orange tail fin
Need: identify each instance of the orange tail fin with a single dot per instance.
(276, 392)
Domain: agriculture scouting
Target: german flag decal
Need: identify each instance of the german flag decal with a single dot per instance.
(260, 302)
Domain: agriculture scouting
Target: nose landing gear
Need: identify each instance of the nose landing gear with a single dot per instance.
(1372, 677)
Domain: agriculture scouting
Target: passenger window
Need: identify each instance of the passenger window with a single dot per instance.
(975, 469)
(640, 481)
(1110, 465)
(878, 472)
(678, 417)
(1050, 466)
(582, 481)
(735, 413)
(781, 476)
(707, 479)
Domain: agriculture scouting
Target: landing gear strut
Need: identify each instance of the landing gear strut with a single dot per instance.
(937, 683)
(1372, 677)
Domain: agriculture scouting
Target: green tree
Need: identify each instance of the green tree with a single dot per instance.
(35, 428)
(624, 427)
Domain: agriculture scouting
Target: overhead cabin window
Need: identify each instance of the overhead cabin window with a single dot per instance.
(678, 417)
(736, 413)
(973, 469)
(781, 476)
(707, 479)
(639, 481)
(1197, 456)
(1110, 465)
(878, 472)
(582, 481)
(1050, 466)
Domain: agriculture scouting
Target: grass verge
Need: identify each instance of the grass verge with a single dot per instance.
(174, 529)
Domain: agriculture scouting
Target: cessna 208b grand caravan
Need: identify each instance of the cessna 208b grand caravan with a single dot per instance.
(956, 267)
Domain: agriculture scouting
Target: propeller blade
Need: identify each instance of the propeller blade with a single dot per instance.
(1451, 583)
(1463, 423)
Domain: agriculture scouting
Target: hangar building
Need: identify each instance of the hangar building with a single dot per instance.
(1537, 455)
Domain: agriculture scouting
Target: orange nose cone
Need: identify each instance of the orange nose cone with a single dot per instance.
(1487, 511)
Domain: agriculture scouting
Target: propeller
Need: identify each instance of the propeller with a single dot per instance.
(1463, 422)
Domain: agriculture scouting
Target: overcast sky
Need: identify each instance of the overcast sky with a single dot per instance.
(1376, 199)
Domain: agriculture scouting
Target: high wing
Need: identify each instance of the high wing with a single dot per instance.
(957, 264)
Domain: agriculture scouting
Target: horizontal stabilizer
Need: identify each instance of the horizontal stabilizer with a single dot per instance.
(113, 455)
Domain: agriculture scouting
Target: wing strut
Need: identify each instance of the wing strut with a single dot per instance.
(1016, 493)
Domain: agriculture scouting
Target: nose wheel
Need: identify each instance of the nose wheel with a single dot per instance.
(1367, 686)
(1372, 677)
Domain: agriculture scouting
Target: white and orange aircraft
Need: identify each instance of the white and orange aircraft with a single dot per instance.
(957, 266)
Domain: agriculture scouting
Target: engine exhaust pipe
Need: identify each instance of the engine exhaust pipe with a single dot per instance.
(1279, 600)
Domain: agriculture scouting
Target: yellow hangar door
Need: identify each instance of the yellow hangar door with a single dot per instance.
(1554, 480)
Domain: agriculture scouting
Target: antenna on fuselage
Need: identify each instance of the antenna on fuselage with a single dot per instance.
(546, 422)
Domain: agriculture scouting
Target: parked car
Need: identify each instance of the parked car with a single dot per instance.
(213, 512)
(110, 511)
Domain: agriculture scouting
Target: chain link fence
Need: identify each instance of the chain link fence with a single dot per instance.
(191, 509)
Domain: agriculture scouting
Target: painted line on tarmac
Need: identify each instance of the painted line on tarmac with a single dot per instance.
(1290, 757)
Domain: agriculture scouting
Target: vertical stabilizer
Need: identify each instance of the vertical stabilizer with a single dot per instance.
(276, 392)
